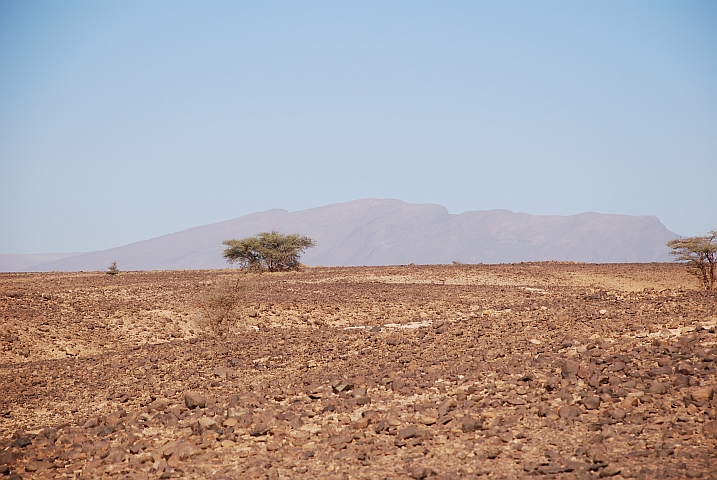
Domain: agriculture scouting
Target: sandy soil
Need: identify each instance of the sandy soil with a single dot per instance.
(495, 371)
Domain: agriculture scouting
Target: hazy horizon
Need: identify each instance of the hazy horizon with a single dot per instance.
(125, 121)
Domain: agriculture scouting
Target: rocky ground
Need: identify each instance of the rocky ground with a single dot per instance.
(462, 371)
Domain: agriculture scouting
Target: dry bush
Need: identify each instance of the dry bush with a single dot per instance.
(113, 270)
(219, 305)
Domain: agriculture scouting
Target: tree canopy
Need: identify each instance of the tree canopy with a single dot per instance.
(701, 255)
(272, 251)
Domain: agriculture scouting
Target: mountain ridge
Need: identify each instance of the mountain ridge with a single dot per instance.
(390, 232)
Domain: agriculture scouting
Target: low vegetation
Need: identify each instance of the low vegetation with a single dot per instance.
(268, 251)
(113, 270)
(220, 304)
(700, 254)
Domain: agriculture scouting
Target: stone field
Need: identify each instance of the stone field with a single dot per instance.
(549, 370)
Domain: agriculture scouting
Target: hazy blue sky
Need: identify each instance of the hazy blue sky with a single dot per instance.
(121, 121)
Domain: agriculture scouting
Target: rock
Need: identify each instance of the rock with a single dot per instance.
(71, 351)
(160, 405)
(363, 400)
(184, 450)
(4, 469)
(659, 388)
(702, 394)
(9, 457)
(685, 369)
(260, 429)
(91, 423)
(207, 423)
(610, 471)
(619, 414)
(419, 472)
(569, 411)
(194, 400)
(408, 432)
(22, 442)
(470, 425)
(38, 465)
(115, 455)
(569, 367)
(656, 372)
(340, 441)
(114, 418)
(381, 426)
(591, 402)
(360, 424)
(427, 420)
(710, 429)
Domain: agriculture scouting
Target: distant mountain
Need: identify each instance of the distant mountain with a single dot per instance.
(392, 232)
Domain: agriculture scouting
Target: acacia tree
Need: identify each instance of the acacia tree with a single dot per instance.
(700, 253)
(270, 251)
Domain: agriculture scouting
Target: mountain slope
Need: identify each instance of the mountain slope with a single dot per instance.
(385, 232)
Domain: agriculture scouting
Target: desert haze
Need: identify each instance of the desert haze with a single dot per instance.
(392, 232)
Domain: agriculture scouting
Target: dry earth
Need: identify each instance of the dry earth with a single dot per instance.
(501, 371)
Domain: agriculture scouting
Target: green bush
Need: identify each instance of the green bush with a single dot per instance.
(268, 251)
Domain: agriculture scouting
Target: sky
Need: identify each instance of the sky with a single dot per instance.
(123, 121)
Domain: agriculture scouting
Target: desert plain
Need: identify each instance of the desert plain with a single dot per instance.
(549, 370)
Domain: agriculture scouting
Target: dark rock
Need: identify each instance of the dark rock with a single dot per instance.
(591, 402)
(260, 429)
(194, 400)
(656, 372)
(21, 442)
(381, 426)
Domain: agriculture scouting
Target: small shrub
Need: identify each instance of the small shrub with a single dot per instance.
(113, 270)
(218, 305)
